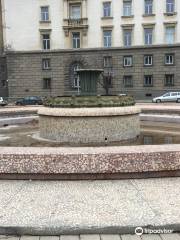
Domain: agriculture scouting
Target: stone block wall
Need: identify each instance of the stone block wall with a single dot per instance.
(25, 72)
(3, 77)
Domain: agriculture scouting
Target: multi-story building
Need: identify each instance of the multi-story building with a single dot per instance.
(3, 72)
(136, 42)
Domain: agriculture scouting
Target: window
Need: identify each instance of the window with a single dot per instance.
(148, 60)
(3, 68)
(127, 8)
(46, 64)
(169, 80)
(148, 36)
(128, 61)
(127, 38)
(76, 80)
(107, 38)
(4, 83)
(106, 9)
(148, 140)
(169, 59)
(128, 81)
(46, 41)
(170, 35)
(148, 80)
(108, 62)
(76, 40)
(45, 13)
(47, 83)
(168, 140)
(75, 11)
(148, 7)
(170, 6)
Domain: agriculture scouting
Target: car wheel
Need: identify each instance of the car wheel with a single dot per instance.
(158, 101)
(178, 100)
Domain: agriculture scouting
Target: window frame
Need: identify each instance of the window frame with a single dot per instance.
(77, 84)
(127, 10)
(44, 64)
(148, 56)
(45, 81)
(107, 39)
(173, 59)
(46, 43)
(109, 65)
(124, 81)
(127, 40)
(45, 16)
(76, 40)
(170, 6)
(71, 5)
(124, 60)
(165, 80)
(149, 43)
(173, 35)
(107, 10)
(148, 76)
(148, 7)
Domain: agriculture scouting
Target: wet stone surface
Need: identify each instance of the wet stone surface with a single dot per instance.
(26, 135)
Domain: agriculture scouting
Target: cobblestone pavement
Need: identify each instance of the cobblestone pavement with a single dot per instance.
(97, 237)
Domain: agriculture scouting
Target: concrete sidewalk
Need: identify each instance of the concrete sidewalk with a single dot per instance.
(82, 207)
(96, 237)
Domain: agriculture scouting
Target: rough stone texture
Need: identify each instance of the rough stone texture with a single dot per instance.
(88, 207)
(87, 160)
(89, 125)
(89, 112)
(3, 74)
(25, 72)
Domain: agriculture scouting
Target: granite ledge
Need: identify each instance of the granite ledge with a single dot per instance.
(89, 160)
(88, 112)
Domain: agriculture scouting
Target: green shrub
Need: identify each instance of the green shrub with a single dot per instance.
(89, 101)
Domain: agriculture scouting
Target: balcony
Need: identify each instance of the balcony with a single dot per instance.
(75, 24)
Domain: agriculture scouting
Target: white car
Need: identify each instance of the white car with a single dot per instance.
(168, 97)
(2, 102)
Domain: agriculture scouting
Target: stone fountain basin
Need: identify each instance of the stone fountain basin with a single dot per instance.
(89, 125)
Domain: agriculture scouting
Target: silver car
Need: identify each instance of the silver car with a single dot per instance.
(168, 97)
(2, 102)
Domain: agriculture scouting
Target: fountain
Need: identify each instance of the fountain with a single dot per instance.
(89, 118)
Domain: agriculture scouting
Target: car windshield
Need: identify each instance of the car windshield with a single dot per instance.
(166, 95)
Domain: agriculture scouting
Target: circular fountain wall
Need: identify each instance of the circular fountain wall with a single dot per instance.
(89, 125)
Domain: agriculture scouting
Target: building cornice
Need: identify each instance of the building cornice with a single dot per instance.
(95, 49)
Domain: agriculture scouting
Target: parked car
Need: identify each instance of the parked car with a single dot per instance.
(29, 101)
(3, 102)
(168, 97)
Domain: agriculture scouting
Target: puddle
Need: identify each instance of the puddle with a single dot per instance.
(22, 136)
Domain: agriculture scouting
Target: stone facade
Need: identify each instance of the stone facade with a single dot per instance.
(3, 77)
(26, 76)
(3, 68)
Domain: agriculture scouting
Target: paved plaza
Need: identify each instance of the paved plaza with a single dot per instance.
(96, 237)
(79, 207)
